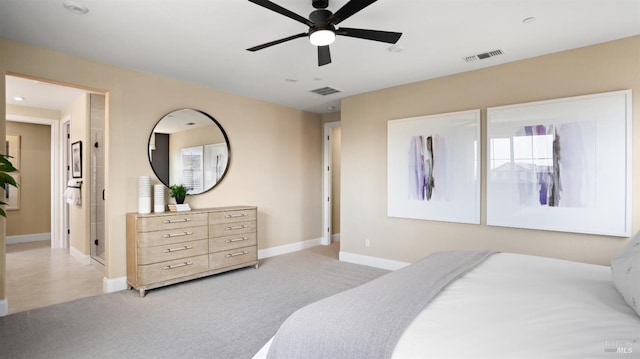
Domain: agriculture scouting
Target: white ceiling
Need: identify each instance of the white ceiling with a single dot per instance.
(205, 41)
(27, 92)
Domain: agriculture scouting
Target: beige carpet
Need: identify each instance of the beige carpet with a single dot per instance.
(224, 316)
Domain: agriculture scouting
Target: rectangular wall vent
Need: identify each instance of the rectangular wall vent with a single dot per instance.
(324, 91)
(484, 55)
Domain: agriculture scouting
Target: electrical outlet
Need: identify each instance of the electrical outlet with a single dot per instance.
(367, 243)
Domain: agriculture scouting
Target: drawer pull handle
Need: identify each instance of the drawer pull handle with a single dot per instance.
(169, 250)
(177, 220)
(237, 240)
(236, 227)
(236, 215)
(236, 254)
(181, 234)
(178, 265)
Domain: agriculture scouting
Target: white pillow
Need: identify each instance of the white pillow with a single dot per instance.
(626, 273)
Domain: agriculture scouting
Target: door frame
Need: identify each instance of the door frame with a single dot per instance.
(326, 180)
(57, 239)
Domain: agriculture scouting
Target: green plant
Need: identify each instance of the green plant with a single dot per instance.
(178, 190)
(5, 178)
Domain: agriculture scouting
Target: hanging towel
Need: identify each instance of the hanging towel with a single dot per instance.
(72, 193)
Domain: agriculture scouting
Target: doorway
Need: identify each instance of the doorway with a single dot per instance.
(55, 231)
(331, 180)
(65, 109)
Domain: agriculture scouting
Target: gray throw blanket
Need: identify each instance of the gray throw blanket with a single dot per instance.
(367, 321)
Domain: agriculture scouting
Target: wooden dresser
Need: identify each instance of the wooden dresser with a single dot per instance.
(171, 247)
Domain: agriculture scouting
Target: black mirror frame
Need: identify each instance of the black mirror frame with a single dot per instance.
(224, 134)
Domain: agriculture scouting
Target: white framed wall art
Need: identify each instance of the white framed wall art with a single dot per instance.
(561, 165)
(433, 167)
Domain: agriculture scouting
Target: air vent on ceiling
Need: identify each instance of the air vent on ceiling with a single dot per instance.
(484, 55)
(324, 91)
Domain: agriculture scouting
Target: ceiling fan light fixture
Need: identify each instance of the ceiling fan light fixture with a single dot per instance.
(322, 37)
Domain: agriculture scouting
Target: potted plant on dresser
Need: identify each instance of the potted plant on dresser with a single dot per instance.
(179, 192)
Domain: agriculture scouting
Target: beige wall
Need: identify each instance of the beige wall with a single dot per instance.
(34, 214)
(27, 111)
(601, 68)
(276, 151)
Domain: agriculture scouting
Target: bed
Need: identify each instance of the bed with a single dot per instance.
(504, 306)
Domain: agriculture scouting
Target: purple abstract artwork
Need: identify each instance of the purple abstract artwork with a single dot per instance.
(551, 164)
(427, 160)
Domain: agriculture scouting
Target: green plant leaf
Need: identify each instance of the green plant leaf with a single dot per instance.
(6, 179)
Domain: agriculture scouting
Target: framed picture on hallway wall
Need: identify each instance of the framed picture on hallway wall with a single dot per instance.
(12, 194)
(433, 167)
(76, 159)
(13, 150)
(561, 165)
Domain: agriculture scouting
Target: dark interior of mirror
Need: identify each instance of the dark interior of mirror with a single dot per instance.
(189, 147)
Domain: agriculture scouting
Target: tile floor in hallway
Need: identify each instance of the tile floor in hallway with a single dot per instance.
(38, 276)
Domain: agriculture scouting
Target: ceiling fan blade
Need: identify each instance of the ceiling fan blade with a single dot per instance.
(282, 11)
(260, 47)
(324, 55)
(375, 35)
(349, 9)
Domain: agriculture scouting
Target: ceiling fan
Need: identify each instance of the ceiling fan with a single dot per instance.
(322, 26)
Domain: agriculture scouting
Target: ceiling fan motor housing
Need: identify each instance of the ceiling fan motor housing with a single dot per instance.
(321, 18)
(320, 4)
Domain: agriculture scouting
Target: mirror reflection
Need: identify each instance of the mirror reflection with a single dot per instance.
(189, 147)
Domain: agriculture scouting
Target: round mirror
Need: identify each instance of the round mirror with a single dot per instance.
(189, 147)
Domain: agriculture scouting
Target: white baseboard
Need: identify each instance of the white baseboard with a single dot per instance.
(288, 248)
(24, 238)
(114, 284)
(371, 261)
(4, 307)
(79, 256)
(335, 237)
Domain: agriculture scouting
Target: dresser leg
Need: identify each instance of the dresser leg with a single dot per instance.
(142, 293)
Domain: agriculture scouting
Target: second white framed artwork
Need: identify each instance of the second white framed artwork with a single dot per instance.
(561, 165)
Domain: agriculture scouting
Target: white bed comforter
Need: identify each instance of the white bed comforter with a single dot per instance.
(519, 306)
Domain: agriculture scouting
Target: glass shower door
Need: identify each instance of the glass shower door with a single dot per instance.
(97, 239)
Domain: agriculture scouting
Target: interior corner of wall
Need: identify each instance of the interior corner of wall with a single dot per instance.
(85, 259)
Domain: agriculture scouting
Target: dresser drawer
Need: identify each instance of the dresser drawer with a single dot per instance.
(232, 216)
(230, 229)
(232, 257)
(146, 239)
(218, 244)
(159, 272)
(172, 251)
(161, 223)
